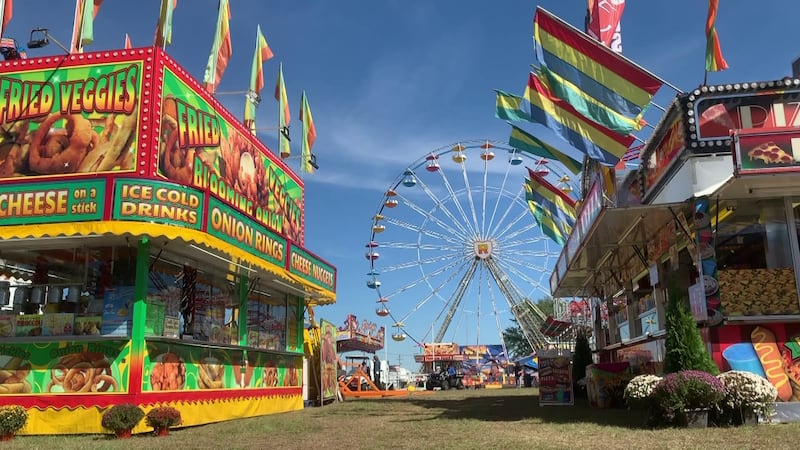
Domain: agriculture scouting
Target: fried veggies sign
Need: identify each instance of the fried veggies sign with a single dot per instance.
(69, 120)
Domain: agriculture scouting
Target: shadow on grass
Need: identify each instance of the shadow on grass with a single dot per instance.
(515, 407)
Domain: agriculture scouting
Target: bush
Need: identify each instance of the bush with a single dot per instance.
(684, 391)
(639, 389)
(12, 418)
(122, 417)
(747, 393)
(163, 417)
(685, 349)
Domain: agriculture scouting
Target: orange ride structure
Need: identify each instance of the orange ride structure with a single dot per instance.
(368, 338)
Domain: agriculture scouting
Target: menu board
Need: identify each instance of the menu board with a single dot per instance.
(555, 378)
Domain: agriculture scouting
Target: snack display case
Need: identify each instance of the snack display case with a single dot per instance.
(151, 248)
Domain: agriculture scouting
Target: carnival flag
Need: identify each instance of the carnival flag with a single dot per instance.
(511, 107)
(164, 28)
(603, 22)
(714, 59)
(261, 54)
(128, 41)
(594, 140)
(309, 136)
(551, 226)
(560, 205)
(594, 69)
(221, 49)
(83, 26)
(6, 11)
(284, 117)
(587, 105)
(521, 140)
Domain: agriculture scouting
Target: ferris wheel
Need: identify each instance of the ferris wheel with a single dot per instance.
(454, 250)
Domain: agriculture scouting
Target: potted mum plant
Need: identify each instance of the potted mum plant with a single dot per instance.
(161, 418)
(122, 418)
(748, 398)
(637, 392)
(12, 419)
(684, 398)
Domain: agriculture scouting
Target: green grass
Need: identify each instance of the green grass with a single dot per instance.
(483, 419)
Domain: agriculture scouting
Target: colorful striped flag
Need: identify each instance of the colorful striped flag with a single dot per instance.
(163, 36)
(6, 11)
(83, 26)
(587, 105)
(714, 59)
(553, 226)
(594, 140)
(560, 205)
(525, 142)
(309, 135)
(221, 50)
(631, 155)
(128, 41)
(511, 107)
(284, 117)
(594, 69)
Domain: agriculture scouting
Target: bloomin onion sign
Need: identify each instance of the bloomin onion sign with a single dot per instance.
(199, 148)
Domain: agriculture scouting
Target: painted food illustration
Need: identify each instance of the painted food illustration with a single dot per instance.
(69, 143)
(770, 153)
(12, 376)
(167, 373)
(209, 374)
(82, 372)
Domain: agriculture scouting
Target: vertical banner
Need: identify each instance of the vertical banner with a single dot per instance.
(555, 377)
(327, 357)
(707, 258)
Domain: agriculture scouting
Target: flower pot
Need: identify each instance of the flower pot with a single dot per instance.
(696, 418)
(749, 418)
(162, 431)
(123, 434)
(6, 436)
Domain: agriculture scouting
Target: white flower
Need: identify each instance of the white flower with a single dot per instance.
(640, 387)
(748, 391)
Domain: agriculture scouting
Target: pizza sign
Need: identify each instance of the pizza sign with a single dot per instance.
(767, 150)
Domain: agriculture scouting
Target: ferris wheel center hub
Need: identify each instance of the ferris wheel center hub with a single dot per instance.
(483, 249)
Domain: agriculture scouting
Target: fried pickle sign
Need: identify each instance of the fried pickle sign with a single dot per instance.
(79, 120)
(199, 148)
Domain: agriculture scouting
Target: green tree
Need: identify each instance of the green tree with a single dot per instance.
(516, 344)
(685, 348)
(581, 358)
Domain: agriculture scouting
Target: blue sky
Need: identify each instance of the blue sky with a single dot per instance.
(390, 81)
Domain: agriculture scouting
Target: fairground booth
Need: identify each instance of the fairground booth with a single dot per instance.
(713, 214)
(151, 248)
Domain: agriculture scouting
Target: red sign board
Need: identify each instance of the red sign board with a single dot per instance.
(717, 116)
(670, 145)
(767, 150)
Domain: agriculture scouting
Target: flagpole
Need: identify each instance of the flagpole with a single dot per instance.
(611, 52)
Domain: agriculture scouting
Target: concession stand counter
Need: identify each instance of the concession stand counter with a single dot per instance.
(151, 248)
(715, 207)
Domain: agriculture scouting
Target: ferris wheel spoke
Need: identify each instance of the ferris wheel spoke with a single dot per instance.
(512, 227)
(512, 262)
(429, 216)
(496, 314)
(441, 206)
(434, 291)
(456, 200)
(421, 229)
(416, 263)
(471, 202)
(510, 206)
(522, 275)
(499, 198)
(519, 231)
(415, 246)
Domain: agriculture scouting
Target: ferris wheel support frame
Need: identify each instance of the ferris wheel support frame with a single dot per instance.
(457, 297)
